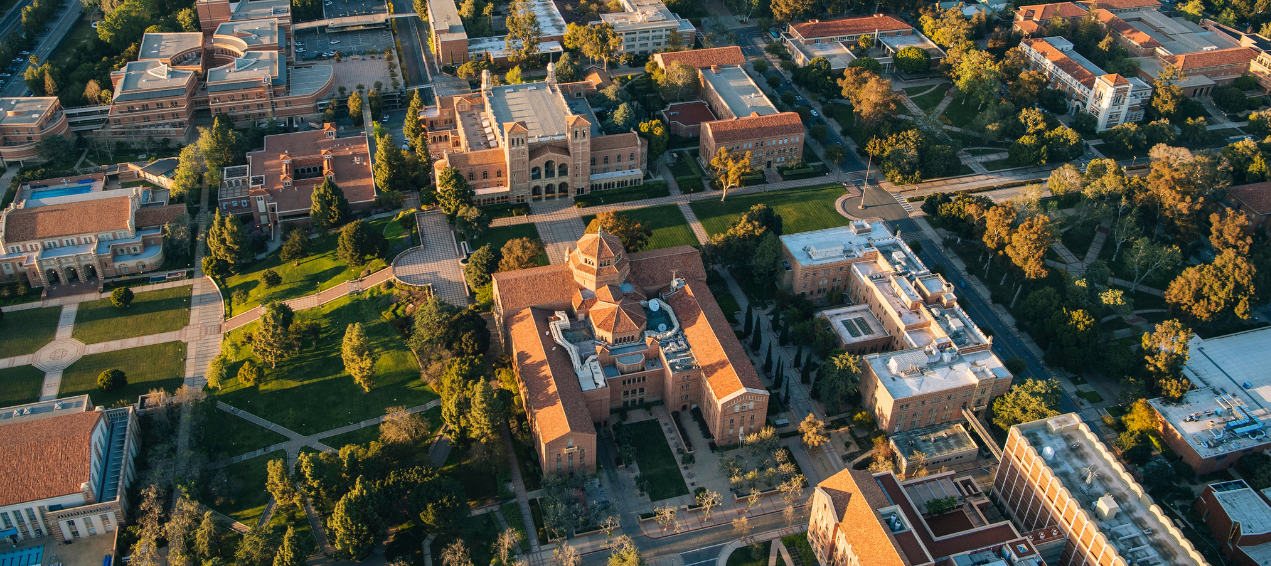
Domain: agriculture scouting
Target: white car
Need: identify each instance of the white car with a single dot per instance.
(95, 25)
(815, 115)
(334, 42)
(300, 50)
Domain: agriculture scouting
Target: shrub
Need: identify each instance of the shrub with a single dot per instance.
(112, 380)
(121, 297)
(251, 373)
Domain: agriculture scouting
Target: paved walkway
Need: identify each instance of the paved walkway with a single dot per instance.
(518, 486)
(85, 297)
(774, 535)
(559, 232)
(314, 300)
(435, 263)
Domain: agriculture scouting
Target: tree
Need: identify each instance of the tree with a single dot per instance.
(356, 243)
(280, 485)
(708, 500)
(1167, 97)
(390, 171)
(111, 380)
(566, 555)
(520, 253)
(295, 248)
(838, 379)
(790, 10)
(359, 359)
(356, 523)
(453, 190)
(767, 260)
(471, 221)
(872, 98)
(328, 208)
(867, 63)
(509, 539)
(401, 426)
(1146, 257)
(523, 36)
(412, 128)
(513, 76)
(912, 59)
(356, 107)
(270, 278)
(595, 41)
(56, 148)
(291, 552)
(566, 69)
(121, 297)
(486, 412)
(813, 431)
(185, 181)
(655, 131)
(1224, 287)
(634, 235)
(677, 81)
(948, 28)
(729, 169)
(978, 76)
(819, 132)
(122, 26)
(273, 341)
(227, 240)
(1230, 233)
(1027, 401)
(481, 265)
(250, 373)
(1028, 246)
(218, 145)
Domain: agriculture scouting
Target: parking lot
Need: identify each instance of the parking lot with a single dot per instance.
(316, 44)
(341, 8)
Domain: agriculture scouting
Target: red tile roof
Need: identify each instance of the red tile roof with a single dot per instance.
(815, 29)
(1062, 60)
(688, 113)
(699, 58)
(158, 215)
(724, 364)
(653, 269)
(48, 457)
(1256, 196)
(856, 496)
(1122, 4)
(1129, 32)
(1204, 59)
(752, 127)
(515, 290)
(351, 163)
(56, 220)
(551, 386)
(1042, 13)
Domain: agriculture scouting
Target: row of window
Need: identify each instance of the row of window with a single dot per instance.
(618, 159)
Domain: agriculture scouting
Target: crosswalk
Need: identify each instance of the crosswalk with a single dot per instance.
(905, 204)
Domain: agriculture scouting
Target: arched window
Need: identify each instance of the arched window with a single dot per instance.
(606, 160)
(536, 191)
(549, 169)
(536, 173)
(633, 156)
(550, 189)
(562, 189)
(562, 170)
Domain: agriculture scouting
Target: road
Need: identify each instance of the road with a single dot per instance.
(698, 545)
(59, 27)
(412, 58)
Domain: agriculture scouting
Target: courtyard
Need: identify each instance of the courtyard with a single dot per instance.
(669, 226)
(159, 366)
(151, 312)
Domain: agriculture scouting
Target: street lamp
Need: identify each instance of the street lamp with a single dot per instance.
(867, 168)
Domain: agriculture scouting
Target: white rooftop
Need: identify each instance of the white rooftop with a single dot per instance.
(854, 324)
(1236, 362)
(1213, 421)
(739, 93)
(1244, 506)
(835, 244)
(1109, 497)
(834, 51)
(917, 372)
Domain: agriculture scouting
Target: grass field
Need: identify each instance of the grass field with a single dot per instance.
(25, 331)
(512, 514)
(311, 392)
(366, 435)
(147, 367)
(656, 461)
(650, 189)
(226, 435)
(668, 224)
(248, 503)
(929, 101)
(496, 237)
(478, 532)
(149, 313)
(728, 304)
(960, 114)
(20, 385)
(480, 482)
(81, 30)
(746, 555)
(997, 164)
(320, 271)
(801, 210)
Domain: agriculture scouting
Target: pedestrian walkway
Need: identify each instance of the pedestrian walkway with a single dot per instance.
(85, 297)
(314, 300)
(518, 487)
(435, 263)
(558, 231)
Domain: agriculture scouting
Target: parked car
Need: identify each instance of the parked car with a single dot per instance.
(814, 114)
(24, 53)
(95, 25)
(334, 42)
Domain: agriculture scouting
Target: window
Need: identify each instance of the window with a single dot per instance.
(606, 161)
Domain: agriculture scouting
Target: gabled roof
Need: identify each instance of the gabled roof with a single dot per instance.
(1204, 59)
(724, 364)
(700, 58)
(855, 496)
(751, 127)
(44, 458)
(1044, 12)
(848, 26)
(618, 319)
(552, 389)
(1062, 60)
(68, 219)
(1122, 4)
(1256, 196)
(158, 215)
(600, 246)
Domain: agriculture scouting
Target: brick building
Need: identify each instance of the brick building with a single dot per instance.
(646, 26)
(858, 518)
(1252, 200)
(1240, 519)
(1056, 474)
(609, 330)
(26, 121)
(276, 185)
(925, 361)
(1034, 20)
(835, 40)
(71, 229)
(685, 119)
(1110, 98)
(529, 142)
(1221, 67)
(66, 468)
(748, 121)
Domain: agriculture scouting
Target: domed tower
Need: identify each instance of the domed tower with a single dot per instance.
(599, 260)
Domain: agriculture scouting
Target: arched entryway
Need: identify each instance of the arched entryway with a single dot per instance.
(53, 277)
(537, 192)
(549, 191)
(71, 275)
(549, 169)
(90, 272)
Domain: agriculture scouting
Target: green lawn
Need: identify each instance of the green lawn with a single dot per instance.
(226, 435)
(650, 189)
(983, 151)
(960, 114)
(668, 223)
(929, 101)
(728, 304)
(496, 237)
(478, 533)
(151, 312)
(512, 514)
(322, 270)
(311, 392)
(25, 331)
(746, 555)
(298, 521)
(366, 435)
(998, 164)
(146, 367)
(656, 461)
(801, 210)
(246, 503)
(20, 385)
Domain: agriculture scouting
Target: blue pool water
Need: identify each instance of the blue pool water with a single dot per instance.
(60, 191)
(25, 557)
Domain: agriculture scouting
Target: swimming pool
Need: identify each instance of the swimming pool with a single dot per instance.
(24, 557)
(60, 191)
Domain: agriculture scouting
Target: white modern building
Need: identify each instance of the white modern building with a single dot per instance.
(646, 26)
(65, 468)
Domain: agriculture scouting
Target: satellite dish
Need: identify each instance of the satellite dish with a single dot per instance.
(653, 306)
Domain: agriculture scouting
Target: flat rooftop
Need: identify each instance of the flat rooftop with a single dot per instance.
(542, 109)
(43, 409)
(443, 16)
(834, 51)
(915, 372)
(1236, 363)
(1089, 472)
(1214, 422)
(246, 71)
(739, 93)
(150, 79)
(1244, 506)
(25, 111)
(835, 244)
(898, 42)
(646, 14)
(934, 441)
(261, 9)
(165, 45)
(309, 79)
(853, 324)
(252, 33)
(1176, 35)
